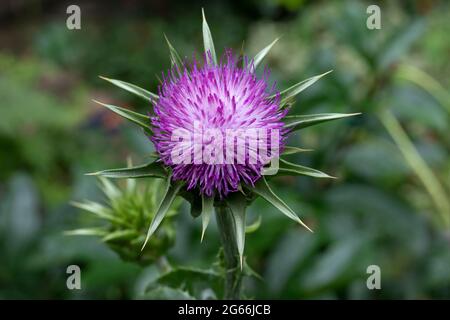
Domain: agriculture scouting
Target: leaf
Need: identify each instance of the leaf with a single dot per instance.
(190, 278)
(147, 131)
(341, 255)
(287, 168)
(119, 235)
(137, 118)
(237, 204)
(294, 90)
(92, 207)
(168, 198)
(97, 209)
(298, 122)
(167, 293)
(254, 226)
(109, 189)
(207, 210)
(208, 41)
(399, 43)
(147, 95)
(175, 58)
(149, 170)
(249, 272)
(262, 189)
(260, 55)
(86, 232)
(292, 249)
(293, 150)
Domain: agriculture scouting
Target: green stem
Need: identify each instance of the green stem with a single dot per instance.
(233, 276)
(419, 166)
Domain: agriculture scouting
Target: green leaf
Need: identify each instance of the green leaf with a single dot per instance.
(291, 92)
(93, 207)
(262, 189)
(137, 118)
(207, 210)
(109, 189)
(147, 95)
(168, 198)
(254, 226)
(341, 255)
(167, 293)
(293, 150)
(207, 40)
(175, 58)
(237, 204)
(190, 278)
(249, 272)
(86, 232)
(302, 121)
(260, 55)
(399, 42)
(148, 132)
(119, 235)
(291, 169)
(149, 170)
(99, 210)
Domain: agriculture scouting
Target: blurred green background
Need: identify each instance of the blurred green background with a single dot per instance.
(389, 207)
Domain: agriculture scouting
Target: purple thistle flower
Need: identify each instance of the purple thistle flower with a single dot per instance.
(223, 97)
(216, 126)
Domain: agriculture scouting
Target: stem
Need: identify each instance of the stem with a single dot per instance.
(419, 166)
(233, 276)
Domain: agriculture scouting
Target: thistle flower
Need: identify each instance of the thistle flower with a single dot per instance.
(220, 96)
(224, 97)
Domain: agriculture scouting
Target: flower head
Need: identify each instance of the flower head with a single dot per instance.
(215, 126)
(219, 108)
(125, 215)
